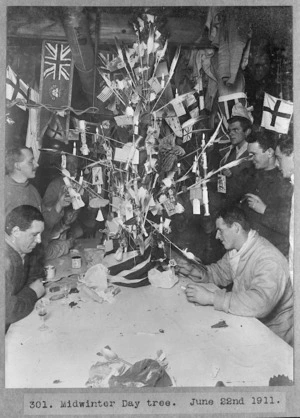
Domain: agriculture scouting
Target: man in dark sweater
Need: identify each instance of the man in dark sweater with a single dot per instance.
(20, 167)
(23, 228)
(267, 195)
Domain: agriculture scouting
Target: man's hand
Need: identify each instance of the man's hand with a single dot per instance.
(255, 203)
(203, 294)
(38, 287)
(70, 216)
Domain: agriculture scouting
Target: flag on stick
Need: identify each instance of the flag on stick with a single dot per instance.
(277, 114)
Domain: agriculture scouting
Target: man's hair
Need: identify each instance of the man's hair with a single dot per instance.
(22, 216)
(245, 123)
(232, 214)
(13, 155)
(286, 145)
(264, 139)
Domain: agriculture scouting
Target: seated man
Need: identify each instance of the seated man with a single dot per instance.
(61, 226)
(23, 228)
(20, 167)
(58, 218)
(259, 273)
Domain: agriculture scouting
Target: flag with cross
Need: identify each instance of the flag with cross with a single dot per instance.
(56, 83)
(16, 89)
(277, 114)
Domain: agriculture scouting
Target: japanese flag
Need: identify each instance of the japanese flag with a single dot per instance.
(277, 114)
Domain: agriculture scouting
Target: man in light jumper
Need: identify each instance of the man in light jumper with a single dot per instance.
(259, 273)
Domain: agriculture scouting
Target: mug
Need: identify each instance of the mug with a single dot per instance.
(49, 272)
(76, 262)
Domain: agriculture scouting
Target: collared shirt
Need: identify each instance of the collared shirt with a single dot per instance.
(238, 152)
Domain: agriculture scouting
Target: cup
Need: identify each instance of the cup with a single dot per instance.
(49, 272)
(76, 262)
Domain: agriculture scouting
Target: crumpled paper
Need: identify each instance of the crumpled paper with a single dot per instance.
(101, 372)
(94, 285)
(96, 277)
(112, 372)
(165, 279)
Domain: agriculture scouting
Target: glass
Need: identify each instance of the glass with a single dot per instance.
(66, 291)
(42, 311)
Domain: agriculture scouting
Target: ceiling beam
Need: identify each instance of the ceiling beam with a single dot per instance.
(183, 30)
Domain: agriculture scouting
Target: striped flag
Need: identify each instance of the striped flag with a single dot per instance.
(277, 114)
(132, 271)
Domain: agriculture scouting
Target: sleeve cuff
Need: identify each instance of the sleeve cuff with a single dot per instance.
(222, 300)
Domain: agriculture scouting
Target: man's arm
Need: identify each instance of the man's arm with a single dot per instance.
(17, 305)
(260, 293)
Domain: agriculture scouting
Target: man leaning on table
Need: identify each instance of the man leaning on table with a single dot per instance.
(23, 228)
(259, 273)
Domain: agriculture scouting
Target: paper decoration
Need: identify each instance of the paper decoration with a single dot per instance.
(116, 203)
(112, 226)
(277, 114)
(169, 207)
(192, 104)
(98, 202)
(124, 120)
(221, 183)
(97, 175)
(155, 85)
(128, 211)
(32, 139)
(196, 193)
(99, 217)
(122, 154)
(174, 124)
(109, 245)
(195, 165)
(196, 207)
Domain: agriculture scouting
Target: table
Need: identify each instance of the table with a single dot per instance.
(138, 323)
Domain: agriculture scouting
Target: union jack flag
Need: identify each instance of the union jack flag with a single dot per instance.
(57, 61)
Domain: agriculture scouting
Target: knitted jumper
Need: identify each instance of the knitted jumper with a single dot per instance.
(17, 194)
(19, 298)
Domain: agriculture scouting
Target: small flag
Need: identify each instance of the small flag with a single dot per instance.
(105, 94)
(227, 102)
(277, 114)
(57, 61)
(16, 88)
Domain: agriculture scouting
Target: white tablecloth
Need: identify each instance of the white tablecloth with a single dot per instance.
(138, 323)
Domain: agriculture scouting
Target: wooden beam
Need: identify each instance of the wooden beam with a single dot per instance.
(184, 31)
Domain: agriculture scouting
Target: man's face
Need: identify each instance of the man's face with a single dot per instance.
(236, 133)
(260, 158)
(226, 234)
(26, 241)
(72, 166)
(28, 165)
(286, 163)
